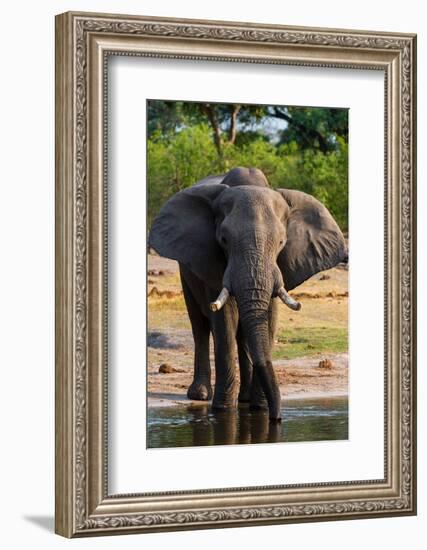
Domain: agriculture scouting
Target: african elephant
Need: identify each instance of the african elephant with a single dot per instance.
(240, 245)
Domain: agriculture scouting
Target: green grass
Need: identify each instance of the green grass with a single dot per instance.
(295, 342)
(320, 330)
(320, 327)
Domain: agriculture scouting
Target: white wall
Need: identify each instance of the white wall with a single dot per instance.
(27, 268)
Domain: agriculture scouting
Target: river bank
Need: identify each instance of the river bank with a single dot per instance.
(300, 378)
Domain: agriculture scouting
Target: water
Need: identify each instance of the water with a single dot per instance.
(196, 425)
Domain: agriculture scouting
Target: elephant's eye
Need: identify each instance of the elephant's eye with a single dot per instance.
(223, 240)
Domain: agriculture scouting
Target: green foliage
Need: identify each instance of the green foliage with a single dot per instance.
(313, 128)
(325, 176)
(182, 149)
(178, 162)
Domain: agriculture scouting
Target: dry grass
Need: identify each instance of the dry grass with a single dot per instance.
(304, 338)
(320, 327)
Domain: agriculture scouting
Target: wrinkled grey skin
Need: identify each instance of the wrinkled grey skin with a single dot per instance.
(234, 231)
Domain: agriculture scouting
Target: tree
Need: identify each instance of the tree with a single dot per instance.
(312, 127)
(302, 148)
(316, 128)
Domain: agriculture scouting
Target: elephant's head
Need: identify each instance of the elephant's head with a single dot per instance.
(239, 235)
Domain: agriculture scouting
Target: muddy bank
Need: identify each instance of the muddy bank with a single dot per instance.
(298, 378)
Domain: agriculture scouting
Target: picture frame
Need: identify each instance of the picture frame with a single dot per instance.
(84, 42)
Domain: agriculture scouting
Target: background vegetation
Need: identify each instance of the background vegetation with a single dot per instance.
(303, 148)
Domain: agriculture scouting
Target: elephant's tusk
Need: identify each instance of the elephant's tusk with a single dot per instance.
(288, 300)
(220, 301)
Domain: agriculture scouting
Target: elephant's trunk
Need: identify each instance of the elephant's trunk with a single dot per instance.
(254, 303)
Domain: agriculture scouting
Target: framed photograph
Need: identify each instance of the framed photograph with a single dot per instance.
(235, 274)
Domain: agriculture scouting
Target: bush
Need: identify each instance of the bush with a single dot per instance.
(178, 160)
(325, 176)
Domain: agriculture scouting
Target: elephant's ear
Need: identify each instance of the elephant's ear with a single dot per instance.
(314, 240)
(184, 230)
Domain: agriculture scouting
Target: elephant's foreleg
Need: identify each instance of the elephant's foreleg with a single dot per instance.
(200, 389)
(224, 329)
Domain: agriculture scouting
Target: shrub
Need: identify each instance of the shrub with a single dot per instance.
(178, 160)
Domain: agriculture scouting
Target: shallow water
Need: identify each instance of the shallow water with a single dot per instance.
(321, 419)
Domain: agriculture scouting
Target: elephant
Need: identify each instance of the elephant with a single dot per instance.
(241, 247)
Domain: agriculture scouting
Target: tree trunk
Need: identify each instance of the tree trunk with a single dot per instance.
(213, 121)
(233, 123)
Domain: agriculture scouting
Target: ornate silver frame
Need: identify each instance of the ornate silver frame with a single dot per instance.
(83, 42)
